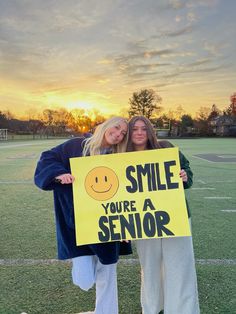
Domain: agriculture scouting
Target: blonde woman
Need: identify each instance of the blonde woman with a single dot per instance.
(95, 263)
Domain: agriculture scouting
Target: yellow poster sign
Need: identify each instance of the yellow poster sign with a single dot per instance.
(137, 195)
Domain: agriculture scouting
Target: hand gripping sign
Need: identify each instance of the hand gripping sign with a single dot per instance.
(137, 195)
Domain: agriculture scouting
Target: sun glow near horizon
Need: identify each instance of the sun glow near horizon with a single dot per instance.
(75, 101)
(91, 109)
(79, 105)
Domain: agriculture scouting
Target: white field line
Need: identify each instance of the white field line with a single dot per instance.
(229, 210)
(194, 156)
(19, 145)
(201, 181)
(222, 162)
(203, 189)
(224, 181)
(27, 144)
(217, 181)
(17, 182)
(127, 261)
(216, 261)
(218, 197)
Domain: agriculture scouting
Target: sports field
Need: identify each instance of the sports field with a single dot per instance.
(32, 281)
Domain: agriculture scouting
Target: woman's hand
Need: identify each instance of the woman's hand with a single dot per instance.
(65, 178)
(183, 175)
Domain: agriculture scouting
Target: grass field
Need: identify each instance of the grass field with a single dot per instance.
(27, 235)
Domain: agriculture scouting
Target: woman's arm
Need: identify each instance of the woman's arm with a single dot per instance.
(186, 173)
(65, 178)
(49, 167)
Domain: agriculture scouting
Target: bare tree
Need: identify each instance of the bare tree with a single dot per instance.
(201, 122)
(144, 102)
(215, 112)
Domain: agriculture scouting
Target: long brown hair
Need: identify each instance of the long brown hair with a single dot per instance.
(152, 138)
(165, 144)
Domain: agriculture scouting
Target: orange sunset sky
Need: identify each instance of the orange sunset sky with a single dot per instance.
(95, 54)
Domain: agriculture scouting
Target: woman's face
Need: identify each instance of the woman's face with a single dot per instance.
(139, 135)
(115, 134)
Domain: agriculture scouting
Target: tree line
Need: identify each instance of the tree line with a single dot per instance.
(52, 122)
(209, 121)
(146, 102)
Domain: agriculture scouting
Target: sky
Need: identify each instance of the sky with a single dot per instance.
(96, 53)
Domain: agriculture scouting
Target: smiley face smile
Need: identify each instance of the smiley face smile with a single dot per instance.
(101, 191)
(101, 183)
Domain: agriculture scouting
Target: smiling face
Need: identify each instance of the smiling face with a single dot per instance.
(101, 183)
(139, 136)
(115, 134)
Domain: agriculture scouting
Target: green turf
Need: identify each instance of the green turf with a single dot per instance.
(212, 228)
(48, 289)
(217, 286)
(28, 223)
(28, 232)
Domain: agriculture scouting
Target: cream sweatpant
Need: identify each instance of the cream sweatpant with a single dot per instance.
(87, 271)
(169, 279)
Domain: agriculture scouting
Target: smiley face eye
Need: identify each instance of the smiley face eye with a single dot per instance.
(96, 179)
(105, 178)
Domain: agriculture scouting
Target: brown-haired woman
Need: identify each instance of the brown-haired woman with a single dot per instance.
(168, 268)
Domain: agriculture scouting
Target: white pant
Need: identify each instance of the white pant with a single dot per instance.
(87, 271)
(168, 276)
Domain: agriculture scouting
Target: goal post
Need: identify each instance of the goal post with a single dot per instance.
(165, 130)
(3, 134)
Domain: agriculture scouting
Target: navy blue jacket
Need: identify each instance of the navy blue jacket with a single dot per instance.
(53, 163)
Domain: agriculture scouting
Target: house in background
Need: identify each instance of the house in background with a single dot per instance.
(224, 125)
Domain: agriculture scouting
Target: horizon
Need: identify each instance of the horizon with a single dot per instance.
(94, 55)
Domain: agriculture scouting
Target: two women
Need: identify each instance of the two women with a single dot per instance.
(94, 263)
(168, 267)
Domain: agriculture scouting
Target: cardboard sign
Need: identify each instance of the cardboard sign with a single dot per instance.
(137, 195)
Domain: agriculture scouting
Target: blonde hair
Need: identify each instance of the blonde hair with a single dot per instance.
(93, 144)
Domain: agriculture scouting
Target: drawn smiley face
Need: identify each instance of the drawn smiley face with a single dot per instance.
(101, 183)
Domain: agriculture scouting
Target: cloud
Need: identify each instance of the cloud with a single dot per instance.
(173, 33)
(185, 69)
(167, 79)
(147, 66)
(185, 30)
(178, 18)
(198, 62)
(208, 70)
(202, 3)
(171, 75)
(105, 61)
(104, 81)
(213, 49)
(191, 17)
(177, 4)
(53, 16)
(142, 55)
(60, 47)
(143, 71)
